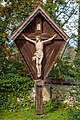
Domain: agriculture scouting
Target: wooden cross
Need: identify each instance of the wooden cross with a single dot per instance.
(39, 24)
(39, 83)
(39, 31)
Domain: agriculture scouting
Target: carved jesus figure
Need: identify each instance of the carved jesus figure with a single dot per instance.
(38, 55)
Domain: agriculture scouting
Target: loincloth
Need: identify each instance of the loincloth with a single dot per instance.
(38, 54)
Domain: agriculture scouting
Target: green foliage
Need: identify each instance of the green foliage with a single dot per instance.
(74, 114)
(13, 87)
(13, 14)
(63, 69)
(53, 9)
(76, 94)
(2, 38)
(14, 81)
(50, 8)
(52, 106)
(28, 114)
(10, 61)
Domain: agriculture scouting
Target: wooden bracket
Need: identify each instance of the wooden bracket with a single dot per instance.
(39, 82)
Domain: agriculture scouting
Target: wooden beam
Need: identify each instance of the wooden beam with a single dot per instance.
(44, 36)
(59, 82)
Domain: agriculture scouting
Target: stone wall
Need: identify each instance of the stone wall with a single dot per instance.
(58, 93)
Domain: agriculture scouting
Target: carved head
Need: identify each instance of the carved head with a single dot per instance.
(38, 38)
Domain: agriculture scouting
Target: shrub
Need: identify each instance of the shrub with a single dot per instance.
(12, 88)
(74, 114)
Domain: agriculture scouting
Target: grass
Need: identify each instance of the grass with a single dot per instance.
(29, 114)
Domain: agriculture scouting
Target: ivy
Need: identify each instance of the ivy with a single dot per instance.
(13, 87)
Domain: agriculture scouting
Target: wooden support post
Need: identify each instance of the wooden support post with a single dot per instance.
(39, 100)
(39, 97)
(51, 92)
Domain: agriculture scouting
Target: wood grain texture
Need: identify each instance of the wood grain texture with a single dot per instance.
(39, 100)
(27, 50)
(51, 49)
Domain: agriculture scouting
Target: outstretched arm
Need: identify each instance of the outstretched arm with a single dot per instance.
(54, 36)
(28, 38)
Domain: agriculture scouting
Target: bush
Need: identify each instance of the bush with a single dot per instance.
(14, 90)
(74, 114)
(63, 69)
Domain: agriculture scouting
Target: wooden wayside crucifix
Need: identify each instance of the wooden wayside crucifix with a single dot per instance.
(39, 41)
(39, 53)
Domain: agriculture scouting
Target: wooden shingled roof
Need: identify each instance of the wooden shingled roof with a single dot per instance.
(31, 17)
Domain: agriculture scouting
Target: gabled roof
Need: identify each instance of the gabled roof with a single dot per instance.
(32, 16)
